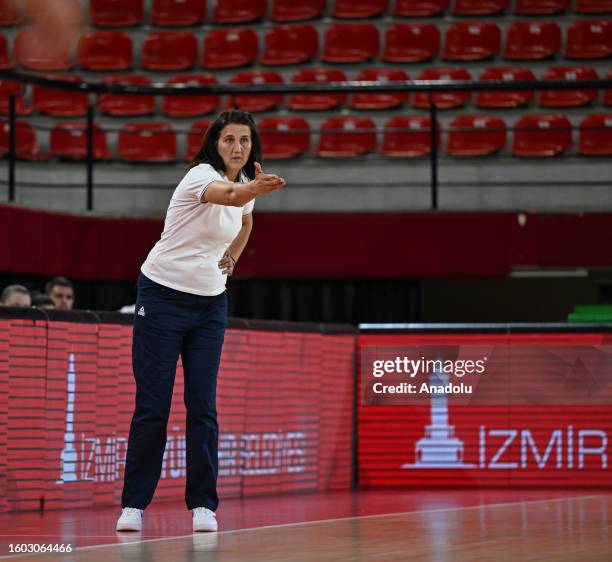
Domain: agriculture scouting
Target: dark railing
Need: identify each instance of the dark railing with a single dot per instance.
(429, 86)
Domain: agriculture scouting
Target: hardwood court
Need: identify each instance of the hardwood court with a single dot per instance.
(443, 526)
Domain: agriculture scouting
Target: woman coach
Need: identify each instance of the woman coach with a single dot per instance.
(181, 309)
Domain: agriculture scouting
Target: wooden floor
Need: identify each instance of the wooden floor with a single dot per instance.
(539, 526)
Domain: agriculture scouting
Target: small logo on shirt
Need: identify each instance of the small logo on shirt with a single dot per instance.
(141, 312)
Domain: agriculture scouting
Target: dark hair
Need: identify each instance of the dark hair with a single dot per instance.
(42, 300)
(208, 153)
(58, 281)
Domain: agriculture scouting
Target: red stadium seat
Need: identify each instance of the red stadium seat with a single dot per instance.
(596, 135)
(190, 106)
(31, 50)
(147, 142)
(169, 50)
(407, 136)
(256, 102)
(284, 137)
(8, 88)
(472, 41)
(9, 13)
(229, 48)
(505, 98)
(321, 100)
(26, 146)
(568, 98)
(116, 13)
(5, 59)
(60, 103)
(479, 7)
(380, 100)
(127, 104)
(105, 50)
(542, 135)
(443, 100)
(541, 7)
(69, 140)
(290, 10)
(239, 11)
(177, 12)
(35, 10)
(589, 39)
(593, 6)
(195, 137)
(476, 135)
(418, 8)
(607, 97)
(532, 40)
(411, 42)
(351, 42)
(359, 8)
(290, 44)
(347, 136)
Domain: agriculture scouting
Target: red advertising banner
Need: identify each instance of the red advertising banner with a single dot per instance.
(540, 417)
(67, 396)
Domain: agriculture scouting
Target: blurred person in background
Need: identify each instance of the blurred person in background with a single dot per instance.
(16, 296)
(61, 291)
(42, 301)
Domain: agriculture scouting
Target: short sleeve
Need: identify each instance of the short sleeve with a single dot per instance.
(248, 208)
(198, 179)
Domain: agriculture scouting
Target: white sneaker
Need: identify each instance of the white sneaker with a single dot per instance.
(204, 519)
(130, 519)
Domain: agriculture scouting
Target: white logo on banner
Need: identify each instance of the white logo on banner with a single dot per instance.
(69, 457)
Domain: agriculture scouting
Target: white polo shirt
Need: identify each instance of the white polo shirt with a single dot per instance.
(195, 236)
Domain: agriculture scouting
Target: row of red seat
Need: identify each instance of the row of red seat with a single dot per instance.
(347, 136)
(293, 44)
(73, 104)
(125, 13)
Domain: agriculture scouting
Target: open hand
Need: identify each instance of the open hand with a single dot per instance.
(266, 183)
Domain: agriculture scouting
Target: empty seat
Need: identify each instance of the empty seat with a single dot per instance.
(229, 48)
(319, 100)
(596, 135)
(9, 13)
(147, 142)
(359, 8)
(505, 98)
(416, 8)
(472, 41)
(195, 137)
(256, 102)
(127, 104)
(105, 50)
(177, 12)
(169, 50)
(351, 42)
(540, 7)
(284, 137)
(568, 98)
(69, 140)
(408, 135)
(32, 49)
(239, 11)
(347, 136)
(594, 6)
(443, 100)
(589, 39)
(290, 44)
(8, 88)
(26, 146)
(607, 97)
(290, 10)
(476, 135)
(411, 42)
(61, 103)
(5, 59)
(532, 40)
(116, 13)
(542, 135)
(380, 100)
(190, 106)
(480, 7)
